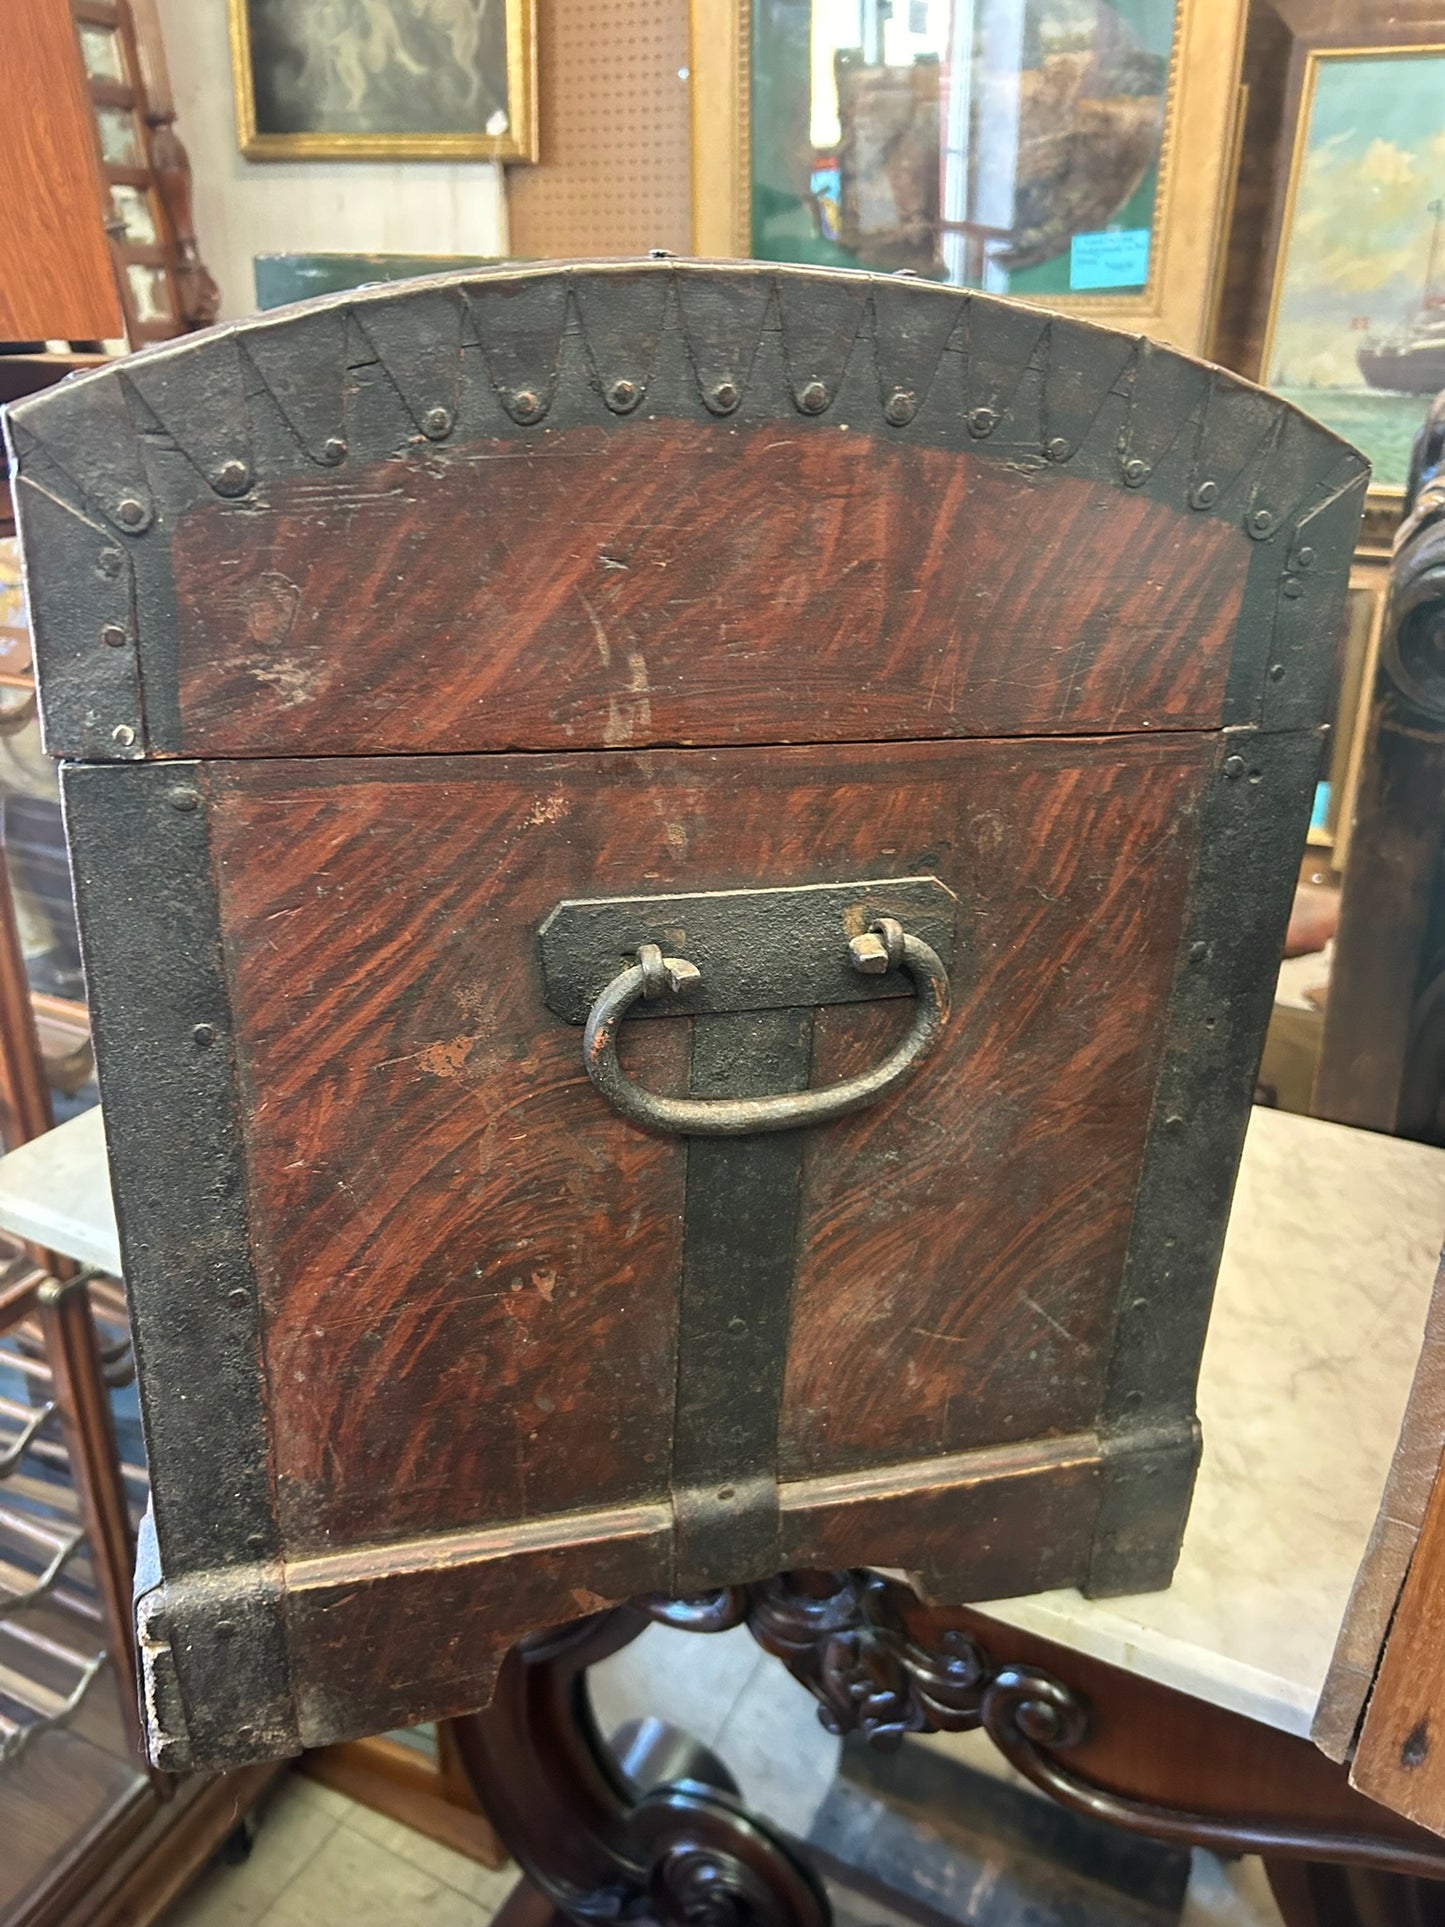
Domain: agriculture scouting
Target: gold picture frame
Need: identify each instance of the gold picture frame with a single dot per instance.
(517, 141)
(1385, 502)
(1196, 166)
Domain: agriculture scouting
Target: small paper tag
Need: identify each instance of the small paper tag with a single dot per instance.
(1113, 260)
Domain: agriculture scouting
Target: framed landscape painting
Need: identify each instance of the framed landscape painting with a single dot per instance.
(385, 79)
(1356, 327)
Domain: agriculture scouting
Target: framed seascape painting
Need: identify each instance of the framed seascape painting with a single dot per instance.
(1356, 323)
(1072, 152)
(385, 79)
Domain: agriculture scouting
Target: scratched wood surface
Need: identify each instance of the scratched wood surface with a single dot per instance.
(470, 1267)
(412, 605)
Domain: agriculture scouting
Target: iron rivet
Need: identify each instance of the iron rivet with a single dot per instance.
(1305, 558)
(1233, 767)
(204, 1035)
(182, 799)
(130, 512)
(256, 1541)
(437, 421)
(812, 398)
(123, 734)
(900, 407)
(334, 449)
(737, 1326)
(622, 395)
(1256, 776)
(982, 421)
(726, 1492)
(1293, 587)
(525, 404)
(237, 1297)
(1174, 1123)
(724, 397)
(1057, 449)
(1276, 672)
(225, 1629)
(232, 477)
(1198, 952)
(1261, 522)
(1203, 495)
(1136, 472)
(113, 636)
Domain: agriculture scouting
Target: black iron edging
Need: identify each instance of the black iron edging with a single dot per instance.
(1251, 834)
(161, 1021)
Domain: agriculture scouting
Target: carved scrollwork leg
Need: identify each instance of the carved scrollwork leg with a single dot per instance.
(841, 1634)
(685, 1854)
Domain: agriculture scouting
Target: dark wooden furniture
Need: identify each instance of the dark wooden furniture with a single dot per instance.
(1382, 1062)
(909, 699)
(58, 279)
(1099, 1741)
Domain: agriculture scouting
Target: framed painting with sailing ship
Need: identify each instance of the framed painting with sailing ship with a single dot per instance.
(1356, 327)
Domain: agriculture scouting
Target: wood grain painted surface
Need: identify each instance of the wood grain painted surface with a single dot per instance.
(649, 583)
(469, 1266)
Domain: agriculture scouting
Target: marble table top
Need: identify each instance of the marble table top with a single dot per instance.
(1333, 1242)
(1332, 1248)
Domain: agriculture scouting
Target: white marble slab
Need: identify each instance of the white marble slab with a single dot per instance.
(55, 1192)
(1327, 1269)
(1332, 1247)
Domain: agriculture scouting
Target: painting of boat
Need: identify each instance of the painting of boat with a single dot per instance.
(1412, 362)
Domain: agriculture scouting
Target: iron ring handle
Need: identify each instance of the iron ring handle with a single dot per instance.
(887, 946)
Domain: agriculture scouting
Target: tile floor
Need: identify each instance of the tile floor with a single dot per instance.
(320, 1859)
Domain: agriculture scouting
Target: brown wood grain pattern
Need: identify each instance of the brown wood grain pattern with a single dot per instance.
(58, 282)
(960, 1249)
(385, 1635)
(1413, 1471)
(469, 1265)
(1400, 1757)
(417, 604)
(459, 1320)
(979, 1525)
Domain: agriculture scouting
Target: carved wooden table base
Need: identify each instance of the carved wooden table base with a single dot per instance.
(878, 1663)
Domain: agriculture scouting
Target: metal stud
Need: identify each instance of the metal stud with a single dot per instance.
(233, 477)
(1203, 495)
(334, 450)
(437, 422)
(130, 512)
(1292, 587)
(526, 404)
(123, 734)
(183, 799)
(1135, 471)
(113, 636)
(623, 395)
(900, 407)
(982, 421)
(1262, 522)
(723, 397)
(812, 398)
(1057, 449)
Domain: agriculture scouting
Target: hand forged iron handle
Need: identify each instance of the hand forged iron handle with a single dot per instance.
(887, 946)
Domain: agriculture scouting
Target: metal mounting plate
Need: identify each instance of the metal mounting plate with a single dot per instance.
(756, 949)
